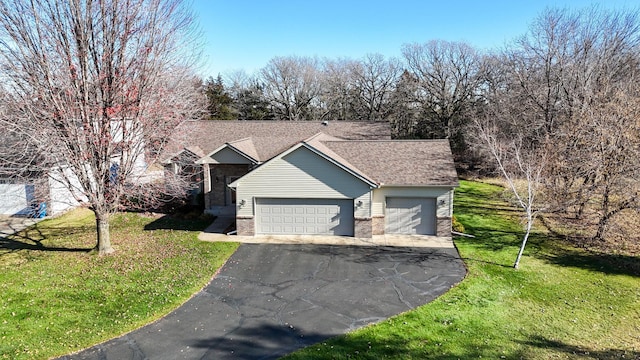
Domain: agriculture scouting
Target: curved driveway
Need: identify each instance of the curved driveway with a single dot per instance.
(269, 300)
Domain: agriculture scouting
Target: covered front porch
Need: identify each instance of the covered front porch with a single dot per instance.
(219, 199)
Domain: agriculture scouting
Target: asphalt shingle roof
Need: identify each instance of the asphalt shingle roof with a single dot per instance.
(400, 162)
(364, 147)
(269, 138)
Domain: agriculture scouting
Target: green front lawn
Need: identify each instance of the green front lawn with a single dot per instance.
(56, 298)
(563, 302)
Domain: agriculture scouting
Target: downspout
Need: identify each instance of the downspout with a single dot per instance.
(451, 193)
(207, 184)
(371, 202)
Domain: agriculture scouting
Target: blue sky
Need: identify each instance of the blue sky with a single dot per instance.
(246, 34)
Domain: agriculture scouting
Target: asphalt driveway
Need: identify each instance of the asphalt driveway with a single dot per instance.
(269, 300)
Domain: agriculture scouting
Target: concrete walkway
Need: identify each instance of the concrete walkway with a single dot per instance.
(215, 233)
(10, 225)
(269, 300)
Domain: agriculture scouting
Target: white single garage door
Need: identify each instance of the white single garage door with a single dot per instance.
(414, 216)
(304, 216)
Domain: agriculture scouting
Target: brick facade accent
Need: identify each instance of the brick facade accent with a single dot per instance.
(245, 226)
(377, 225)
(443, 226)
(362, 228)
(218, 175)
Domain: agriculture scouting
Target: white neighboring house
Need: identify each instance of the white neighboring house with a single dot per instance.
(124, 131)
(61, 197)
(23, 197)
(16, 199)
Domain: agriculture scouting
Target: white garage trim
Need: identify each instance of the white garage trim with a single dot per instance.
(304, 216)
(413, 216)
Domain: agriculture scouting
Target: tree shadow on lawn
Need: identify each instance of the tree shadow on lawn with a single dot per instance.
(613, 264)
(392, 345)
(268, 341)
(493, 263)
(172, 222)
(482, 209)
(490, 238)
(32, 238)
(552, 248)
(586, 353)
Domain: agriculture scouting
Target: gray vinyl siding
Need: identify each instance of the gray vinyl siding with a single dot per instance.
(228, 156)
(364, 210)
(301, 174)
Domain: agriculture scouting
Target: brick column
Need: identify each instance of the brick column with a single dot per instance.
(443, 226)
(377, 225)
(362, 227)
(245, 226)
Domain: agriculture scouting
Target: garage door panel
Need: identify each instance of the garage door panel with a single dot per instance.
(305, 216)
(411, 216)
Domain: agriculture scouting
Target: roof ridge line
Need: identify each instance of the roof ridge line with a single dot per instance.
(386, 140)
(243, 139)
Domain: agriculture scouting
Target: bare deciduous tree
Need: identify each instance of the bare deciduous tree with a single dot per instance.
(337, 90)
(536, 66)
(448, 79)
(597, 167)
(374, 80)
(404, 116)
(249, 102)
(292, 86)
(573, 80)
(98, 86)
(521, 165)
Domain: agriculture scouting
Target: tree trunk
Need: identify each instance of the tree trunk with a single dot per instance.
(604, 217)
(104, 238)
(530, 220)
(602, 227)
(580, 212)
(522, 246)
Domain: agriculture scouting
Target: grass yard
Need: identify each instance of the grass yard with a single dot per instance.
(563, 302)
(57, 298)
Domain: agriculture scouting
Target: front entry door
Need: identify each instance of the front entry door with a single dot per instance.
(230, 194)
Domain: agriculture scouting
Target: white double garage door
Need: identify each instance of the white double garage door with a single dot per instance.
(335, 216)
